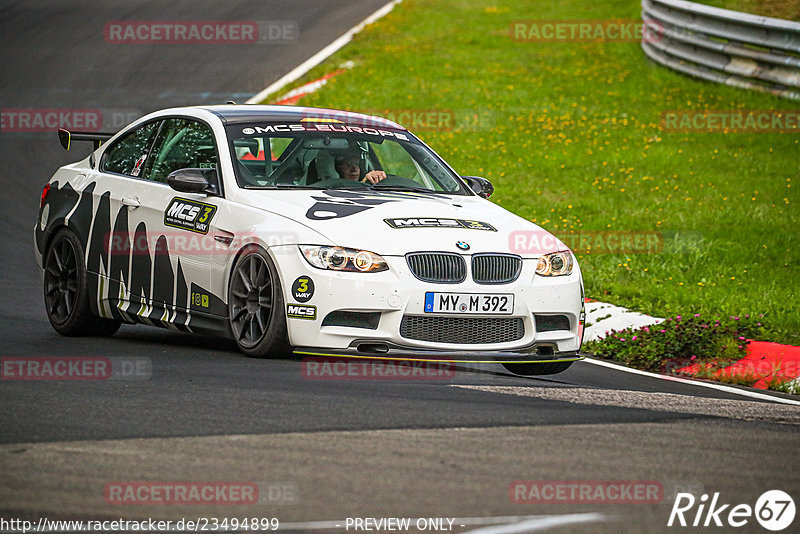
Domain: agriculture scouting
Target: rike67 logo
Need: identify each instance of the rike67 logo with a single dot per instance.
(774, 510)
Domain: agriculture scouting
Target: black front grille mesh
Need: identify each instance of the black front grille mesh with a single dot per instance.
(466, 330)
(495, 268)
(439, 267)
(449, 268)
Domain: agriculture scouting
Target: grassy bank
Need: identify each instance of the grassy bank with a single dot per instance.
(569, 133)
(781, 9)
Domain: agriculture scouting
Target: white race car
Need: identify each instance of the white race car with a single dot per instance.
(306, 231)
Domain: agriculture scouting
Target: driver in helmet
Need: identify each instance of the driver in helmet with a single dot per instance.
(348, 165)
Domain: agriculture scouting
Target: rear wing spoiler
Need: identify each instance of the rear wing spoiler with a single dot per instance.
(96, 137)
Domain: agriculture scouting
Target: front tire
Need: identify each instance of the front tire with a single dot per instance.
(66, 292)
(537, 369)
(255, 306)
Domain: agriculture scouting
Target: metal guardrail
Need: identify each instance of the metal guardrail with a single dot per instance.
(719, 45)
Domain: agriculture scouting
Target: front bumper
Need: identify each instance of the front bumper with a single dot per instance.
(391, 295)
(409, 354)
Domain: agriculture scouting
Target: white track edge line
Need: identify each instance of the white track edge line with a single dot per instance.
(502, 521)
(322, 55)
(540, 523)
(710, 385)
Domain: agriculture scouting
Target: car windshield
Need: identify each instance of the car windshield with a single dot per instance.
(334, 156)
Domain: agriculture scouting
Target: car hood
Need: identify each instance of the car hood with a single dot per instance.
(395, 223)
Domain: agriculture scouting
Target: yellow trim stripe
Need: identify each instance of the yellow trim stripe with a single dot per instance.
(402, 358)
(321, 119)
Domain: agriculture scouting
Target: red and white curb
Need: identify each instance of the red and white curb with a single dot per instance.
(763, 358)
(321, 56)
(296, 94)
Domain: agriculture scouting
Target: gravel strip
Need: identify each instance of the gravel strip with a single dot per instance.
(662, 402)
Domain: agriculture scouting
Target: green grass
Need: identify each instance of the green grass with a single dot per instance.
(569, 135)
(782, 9)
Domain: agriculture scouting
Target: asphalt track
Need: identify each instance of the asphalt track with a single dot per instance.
(423, 448)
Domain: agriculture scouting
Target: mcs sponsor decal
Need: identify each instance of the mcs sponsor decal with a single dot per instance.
(303, 289)
(432, 222)
(324, 127)
(189, 215)
(299, 311)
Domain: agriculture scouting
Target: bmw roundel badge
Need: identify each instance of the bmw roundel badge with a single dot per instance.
(463, 245)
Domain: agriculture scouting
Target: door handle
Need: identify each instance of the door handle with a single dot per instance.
(131, 202)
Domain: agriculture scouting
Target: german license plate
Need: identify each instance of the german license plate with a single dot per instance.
(478, 303)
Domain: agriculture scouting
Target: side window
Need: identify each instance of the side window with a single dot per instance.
(181, 144)
(129, 153)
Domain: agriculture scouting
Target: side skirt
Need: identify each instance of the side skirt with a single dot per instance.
(134, 309)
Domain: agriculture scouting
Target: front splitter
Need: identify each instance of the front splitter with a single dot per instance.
(438, 356)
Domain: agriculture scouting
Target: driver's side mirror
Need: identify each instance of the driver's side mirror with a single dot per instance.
(481, 186)
(193, 180)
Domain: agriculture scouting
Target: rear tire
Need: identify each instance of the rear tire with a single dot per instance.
(255, 306)
(66, 292)
(536, 369)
